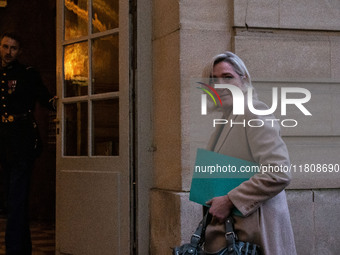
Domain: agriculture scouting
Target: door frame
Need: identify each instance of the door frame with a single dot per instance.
(141, 34)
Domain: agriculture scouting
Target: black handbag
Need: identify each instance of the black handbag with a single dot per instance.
(235, 247)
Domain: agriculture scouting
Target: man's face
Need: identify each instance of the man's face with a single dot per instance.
(9, 50)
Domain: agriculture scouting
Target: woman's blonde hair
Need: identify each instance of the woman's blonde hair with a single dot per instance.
(237, 64)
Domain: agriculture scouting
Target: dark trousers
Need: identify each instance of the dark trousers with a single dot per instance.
(16, 159)
(18, 238)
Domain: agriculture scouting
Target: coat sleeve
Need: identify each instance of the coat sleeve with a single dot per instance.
(267, 149)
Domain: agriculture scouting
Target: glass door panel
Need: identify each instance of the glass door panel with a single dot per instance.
(104, 15)
(105, 64)
(76, 69)
(76, 126)
(105, 127)
(76, 18)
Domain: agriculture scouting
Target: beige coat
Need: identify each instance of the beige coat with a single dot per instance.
(261, 199)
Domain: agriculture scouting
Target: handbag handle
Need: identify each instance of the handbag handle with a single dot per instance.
(196, 237)
(245, 248)
(194, 247)
(230, 234)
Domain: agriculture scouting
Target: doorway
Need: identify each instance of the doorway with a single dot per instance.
(35, 22)
(88, 161)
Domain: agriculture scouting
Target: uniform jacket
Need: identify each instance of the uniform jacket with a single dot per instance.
(20, 88)
(261, 199)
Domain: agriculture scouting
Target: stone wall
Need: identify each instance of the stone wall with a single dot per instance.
(283, 43)
(296, 43)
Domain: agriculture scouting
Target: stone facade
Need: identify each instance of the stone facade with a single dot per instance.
(283, 43)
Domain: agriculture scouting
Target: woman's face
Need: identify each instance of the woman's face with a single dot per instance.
(223, 73)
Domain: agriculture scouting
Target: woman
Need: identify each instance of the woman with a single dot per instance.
(261, 200)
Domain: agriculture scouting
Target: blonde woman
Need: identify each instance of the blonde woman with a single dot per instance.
(261, 200)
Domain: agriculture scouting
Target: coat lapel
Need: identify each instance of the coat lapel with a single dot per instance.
(224, 133)
(214, 137)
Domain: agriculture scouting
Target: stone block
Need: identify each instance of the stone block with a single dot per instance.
(165, 221)
(213, 15)
(257, 13)
(165, 17)
(327, 224)
(335, 56)
(288, 14)
(301, 208)
(263, 13)
(312, 151)
(284, 56)
(240, 13)
(166, 112)
(207, 44)
(310, 14)
(323, 105)
(191, 215)
(173, 220)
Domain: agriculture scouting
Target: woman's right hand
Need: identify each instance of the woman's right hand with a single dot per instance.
(221, 207)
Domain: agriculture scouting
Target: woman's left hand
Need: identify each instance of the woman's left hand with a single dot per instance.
(220, 207)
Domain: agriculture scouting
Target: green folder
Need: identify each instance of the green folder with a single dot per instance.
(216, 174)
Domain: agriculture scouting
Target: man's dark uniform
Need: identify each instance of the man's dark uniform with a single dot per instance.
(21, 87)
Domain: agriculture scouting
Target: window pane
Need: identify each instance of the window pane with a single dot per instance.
(76, 129)
(105, 64)
(104, 15)
(76, 18)
(76, 69)
(106, 127)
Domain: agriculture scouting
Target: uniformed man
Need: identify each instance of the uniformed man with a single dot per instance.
(20, 88)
